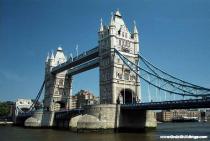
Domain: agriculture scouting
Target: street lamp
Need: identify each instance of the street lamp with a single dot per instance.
(77, 50)
(71, 56)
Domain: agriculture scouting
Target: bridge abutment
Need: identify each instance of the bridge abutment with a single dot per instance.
(135, 121)
(113, 117)
(40, 119)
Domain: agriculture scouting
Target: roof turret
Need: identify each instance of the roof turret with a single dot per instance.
(117, 13)
(59, 48)
(101, 25)
(52, 56)
(112, 20)
(48, 57)
(135, 31)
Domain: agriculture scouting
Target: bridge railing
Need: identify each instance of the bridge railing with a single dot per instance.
(179, 104)
(86, 53)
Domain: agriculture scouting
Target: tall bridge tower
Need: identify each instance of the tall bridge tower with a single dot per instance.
(117, 83)
(57, 86)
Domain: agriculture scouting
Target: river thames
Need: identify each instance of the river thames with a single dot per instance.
(12, 133)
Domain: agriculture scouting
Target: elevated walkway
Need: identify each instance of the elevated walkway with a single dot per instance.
(80, 59)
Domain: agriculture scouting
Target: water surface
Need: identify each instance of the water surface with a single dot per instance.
(11, 133)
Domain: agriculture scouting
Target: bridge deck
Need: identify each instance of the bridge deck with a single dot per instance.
(67, 114)
(181, 104)
(84, 67)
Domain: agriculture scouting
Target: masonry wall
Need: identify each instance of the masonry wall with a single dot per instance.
(111, 116)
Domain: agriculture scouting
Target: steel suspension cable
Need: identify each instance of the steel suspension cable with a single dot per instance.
(38, 96)
(169, 82)
(124, 58)
(194, 86)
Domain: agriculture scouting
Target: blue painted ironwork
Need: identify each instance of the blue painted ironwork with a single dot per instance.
(179, 88)
(166, 105)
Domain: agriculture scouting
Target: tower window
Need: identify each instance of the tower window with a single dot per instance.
(60, 82)
(118, 60)
(61, 92)
(119, 32)
(126, 74)
(119, 42)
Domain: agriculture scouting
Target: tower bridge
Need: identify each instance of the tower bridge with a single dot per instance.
(117, 55)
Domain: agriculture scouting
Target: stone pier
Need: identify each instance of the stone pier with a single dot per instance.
(98, 118)
(111, 116)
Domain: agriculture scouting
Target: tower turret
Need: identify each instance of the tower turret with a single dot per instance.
(51, 60)
(135, 36)
(135, 32)
(59, 56)
(112, 25)
(116, 80)
(101, 29)
(47, 58)
(52, 56)
(112, 20)
(57, 86)
(101, 25)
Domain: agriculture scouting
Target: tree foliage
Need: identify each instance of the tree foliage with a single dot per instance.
(4, 109)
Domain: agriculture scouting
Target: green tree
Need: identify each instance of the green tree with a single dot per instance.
(4, 109)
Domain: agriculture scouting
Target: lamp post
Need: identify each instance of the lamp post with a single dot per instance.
(77, 50)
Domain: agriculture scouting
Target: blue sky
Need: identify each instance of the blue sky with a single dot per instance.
(174, 35)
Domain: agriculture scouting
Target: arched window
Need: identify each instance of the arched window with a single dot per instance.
(120, 42)
(60, 82)
(126, 74)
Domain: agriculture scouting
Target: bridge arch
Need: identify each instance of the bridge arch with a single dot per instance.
(58, 105)
(127, 96)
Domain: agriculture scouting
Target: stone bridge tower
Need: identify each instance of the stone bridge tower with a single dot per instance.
(117, 83)
(57, 87)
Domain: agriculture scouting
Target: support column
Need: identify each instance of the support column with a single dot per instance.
(70, 91)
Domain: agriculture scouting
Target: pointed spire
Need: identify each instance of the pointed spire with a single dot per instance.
(48, 57)
(135, 31)
(117, 13)
(101, 25)
(52, 56)
(112, 19)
